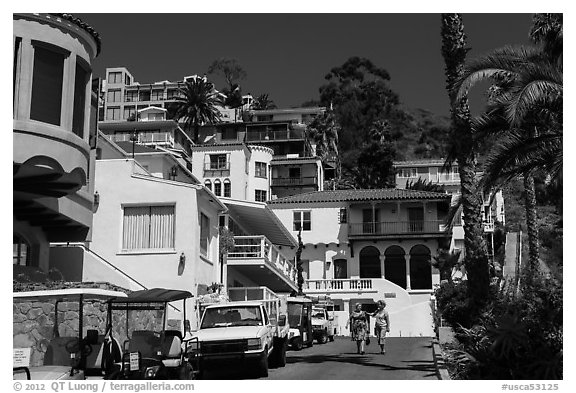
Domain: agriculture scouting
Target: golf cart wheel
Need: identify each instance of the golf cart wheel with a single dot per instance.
(311, 343)
(331, 338)
(187, 372)
(281, 355)
(323, 339)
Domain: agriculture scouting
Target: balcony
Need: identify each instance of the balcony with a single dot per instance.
(339, 285)
(383, 229)
(147, 138)
(217, 168)
(294, 181)
(260, 260)
(280, 135)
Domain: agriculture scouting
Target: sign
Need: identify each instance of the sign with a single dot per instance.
(21, 357)
(134, 361)
(390, 294)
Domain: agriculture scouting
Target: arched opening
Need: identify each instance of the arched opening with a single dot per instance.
(370, 263)
(395, 265)
(227, 188)
(420, 268)
(21, 250)
(208, 184)
(217, 187)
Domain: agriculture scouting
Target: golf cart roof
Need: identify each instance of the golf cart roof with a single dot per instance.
(298, 299)
(242, 303)
(68, 294)
(155, 295)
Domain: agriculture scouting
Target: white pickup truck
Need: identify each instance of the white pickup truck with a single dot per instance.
(322, 324)
(243, 332)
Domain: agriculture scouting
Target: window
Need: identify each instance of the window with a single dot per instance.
(204, 233)
(114, 77)
(227, 188)
(129, 111)
(261, 169)
(144, 95)
(80, 83)
(408, 172)
(294, 173)
(302, 220)
(131, 96)
(218, 161)
(113, 113)
(16, 69)
(114, 95)
(340, 268)
(229, 133)
(157, 95)
(260, 196)
(217, 188)
(343, 216)
(208, 184)
(147, 227)
(127, 80)
(21, 251)
(47, 83)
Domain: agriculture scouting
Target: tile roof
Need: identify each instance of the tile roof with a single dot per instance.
(360, 195)
(86, 27)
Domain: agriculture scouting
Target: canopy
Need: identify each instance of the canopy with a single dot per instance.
(70, 294)
(155, 295)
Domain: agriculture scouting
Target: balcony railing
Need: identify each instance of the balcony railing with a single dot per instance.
(252, 136)
(396, 227)
(343, 285)
(294, 181)
(146, 138)
(216, 168)
(259, 247)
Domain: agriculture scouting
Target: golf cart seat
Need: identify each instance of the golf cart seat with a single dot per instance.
(105, 352)
(171, 348)
(146, 342)
(56, 353)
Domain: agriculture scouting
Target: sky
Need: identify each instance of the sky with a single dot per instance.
(288, 55)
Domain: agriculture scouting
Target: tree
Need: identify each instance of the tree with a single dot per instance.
(461, 150)
(263, 102)
(196, 104)
(445, 261)
(299, 269)
(229, 69)
(524, 115)
(324, 131)
(375, 164)
(359, 93)
(425, 185)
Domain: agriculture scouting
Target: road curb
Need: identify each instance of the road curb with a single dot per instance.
(441, 370)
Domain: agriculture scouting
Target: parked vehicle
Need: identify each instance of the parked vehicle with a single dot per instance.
(156, 352)
(243, 332)
(300, 321)
(323, 319)
(87, 352)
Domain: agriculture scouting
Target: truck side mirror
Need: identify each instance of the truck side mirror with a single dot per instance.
(282, 320)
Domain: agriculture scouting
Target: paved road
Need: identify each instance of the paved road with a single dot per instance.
(405, 359)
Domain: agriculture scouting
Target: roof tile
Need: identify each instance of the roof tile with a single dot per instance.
(360, 195)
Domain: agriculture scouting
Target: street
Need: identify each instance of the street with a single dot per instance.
(407, 358)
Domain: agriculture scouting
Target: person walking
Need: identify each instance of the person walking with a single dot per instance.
(359, 323)
(381, 325)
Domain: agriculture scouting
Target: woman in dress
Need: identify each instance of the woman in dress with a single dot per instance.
(359, 323)
(381, 325)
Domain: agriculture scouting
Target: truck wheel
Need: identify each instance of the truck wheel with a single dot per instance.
(297, 344)
(323, 339)
(262, 371)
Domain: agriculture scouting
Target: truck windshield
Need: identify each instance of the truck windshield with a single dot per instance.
(316, 313)
(231, 316)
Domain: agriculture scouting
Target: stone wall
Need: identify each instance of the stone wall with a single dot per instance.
(33, 323)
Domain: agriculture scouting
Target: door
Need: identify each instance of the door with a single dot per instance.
(370, 221)
(416, 219)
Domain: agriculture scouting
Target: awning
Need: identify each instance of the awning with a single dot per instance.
(154, 295)
(257, 219)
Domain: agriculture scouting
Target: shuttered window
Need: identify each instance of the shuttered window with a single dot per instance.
(148, 227)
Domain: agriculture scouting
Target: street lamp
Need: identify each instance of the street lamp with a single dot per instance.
(133, 138)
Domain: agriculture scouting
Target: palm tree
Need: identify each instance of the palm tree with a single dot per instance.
(462, 151)
(196, 104)
(524, 115)
(324, 131)
(263, 102)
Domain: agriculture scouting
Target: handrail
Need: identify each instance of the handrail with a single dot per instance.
(285, 181)
(395, 227)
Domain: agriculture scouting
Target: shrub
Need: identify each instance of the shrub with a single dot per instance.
(454, 304)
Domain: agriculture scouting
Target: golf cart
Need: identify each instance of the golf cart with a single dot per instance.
(300, 321)
(72, 353)
(155, 351)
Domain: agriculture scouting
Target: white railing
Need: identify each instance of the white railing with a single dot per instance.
(338, 284)
(259, 247)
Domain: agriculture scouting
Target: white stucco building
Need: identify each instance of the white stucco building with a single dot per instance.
(364, 245)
